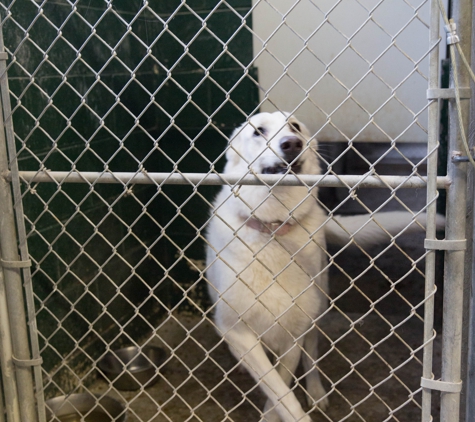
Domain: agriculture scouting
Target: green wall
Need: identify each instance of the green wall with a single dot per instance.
(120, 89)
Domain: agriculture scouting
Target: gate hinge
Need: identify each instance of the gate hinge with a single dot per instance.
(446, 387)
(445, 245)
(447, 93)
(15, 264)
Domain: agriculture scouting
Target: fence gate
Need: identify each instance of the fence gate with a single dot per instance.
(117, 116)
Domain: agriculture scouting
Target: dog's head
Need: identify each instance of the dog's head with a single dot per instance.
(271, 143)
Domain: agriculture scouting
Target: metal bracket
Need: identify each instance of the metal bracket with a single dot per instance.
(445, 245)
(446, 387)
(15, 264)
(3, 55)
(448, 93)
(26, 363)
(457, 157)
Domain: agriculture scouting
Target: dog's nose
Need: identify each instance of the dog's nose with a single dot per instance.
(291, 146)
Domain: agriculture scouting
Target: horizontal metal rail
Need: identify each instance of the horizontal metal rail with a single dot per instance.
(348, 181)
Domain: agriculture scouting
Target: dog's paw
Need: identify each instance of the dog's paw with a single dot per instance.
(323, 403)
(318, 397)
(273, 417)
(270, 417)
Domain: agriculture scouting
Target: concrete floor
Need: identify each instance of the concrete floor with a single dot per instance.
(372, 367)
(200, 380)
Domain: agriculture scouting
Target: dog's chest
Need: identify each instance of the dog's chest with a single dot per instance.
(263, 279)
(275, 303)
(281, 275)
(291, 263)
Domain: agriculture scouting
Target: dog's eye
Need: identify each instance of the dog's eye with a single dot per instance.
(259, 131)
(295, 127)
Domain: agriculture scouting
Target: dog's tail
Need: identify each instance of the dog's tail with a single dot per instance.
(379, 229)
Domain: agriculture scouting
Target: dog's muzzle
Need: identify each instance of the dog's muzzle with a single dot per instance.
(291, 147)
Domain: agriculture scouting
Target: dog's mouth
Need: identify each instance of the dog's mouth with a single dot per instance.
(283, 168)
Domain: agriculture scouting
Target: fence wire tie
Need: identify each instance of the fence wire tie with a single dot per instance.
(445, 245)
(15, 264)
(451, 29)
(26, 363)
(444, 386)
(448, 93)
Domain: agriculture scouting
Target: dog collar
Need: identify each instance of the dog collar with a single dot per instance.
(279, 228)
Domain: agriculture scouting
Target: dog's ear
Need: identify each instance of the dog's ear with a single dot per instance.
(303, 129)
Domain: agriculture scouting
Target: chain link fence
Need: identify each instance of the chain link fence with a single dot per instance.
(120, 118)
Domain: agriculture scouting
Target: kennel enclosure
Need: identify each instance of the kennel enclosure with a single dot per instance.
(116, 116)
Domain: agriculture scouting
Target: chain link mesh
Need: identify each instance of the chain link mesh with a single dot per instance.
(157, 86)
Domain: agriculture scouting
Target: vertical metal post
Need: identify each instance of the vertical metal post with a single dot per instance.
(469, 329)
(2, 407)
(6, 348)
(29, 407)
(6, 358)
(15, 303)
(432, 145)
(14, 295)
(468, 357)
(455, 229)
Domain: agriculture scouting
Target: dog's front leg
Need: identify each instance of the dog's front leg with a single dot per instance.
(248, 349)
(286, 367)
(316, 391)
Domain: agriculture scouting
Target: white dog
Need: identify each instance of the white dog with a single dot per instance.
(267, 263)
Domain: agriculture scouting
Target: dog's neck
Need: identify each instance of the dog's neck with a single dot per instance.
(279, 228)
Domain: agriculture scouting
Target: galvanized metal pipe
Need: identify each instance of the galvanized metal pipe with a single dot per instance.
(16, 308)
(349, 181)
(6, 348)
(455, 230)
(2, 407)
(432, 145)
(469, 326)
(23, 248)
(13, 285)
(6, 359)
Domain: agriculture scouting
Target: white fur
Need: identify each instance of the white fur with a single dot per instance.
(269, 290)
(365, 231)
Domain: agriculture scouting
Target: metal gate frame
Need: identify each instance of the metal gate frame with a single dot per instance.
(469, 300)
(19, 350)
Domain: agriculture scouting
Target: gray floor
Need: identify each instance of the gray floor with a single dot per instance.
(369, 382)
(370, 352)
